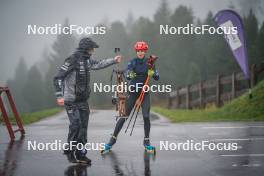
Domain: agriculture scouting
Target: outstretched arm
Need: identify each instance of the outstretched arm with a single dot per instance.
(100, 64)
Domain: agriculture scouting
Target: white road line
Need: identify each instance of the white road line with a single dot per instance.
(247, 165)
(230, 127)
(245, 139)
(242, 155)
(216, 134)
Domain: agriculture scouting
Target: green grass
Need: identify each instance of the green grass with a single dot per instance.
(240, 109)
(28, 118)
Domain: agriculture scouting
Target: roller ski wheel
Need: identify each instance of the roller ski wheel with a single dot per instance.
(107, 149)
(150, 149)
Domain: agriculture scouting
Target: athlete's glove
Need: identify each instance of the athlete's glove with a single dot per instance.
(132, 75)
(150, 72)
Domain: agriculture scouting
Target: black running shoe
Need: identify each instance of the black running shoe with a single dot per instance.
(66, 152)
(71, 157)
(83, 160)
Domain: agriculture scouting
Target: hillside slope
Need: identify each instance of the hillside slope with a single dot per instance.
(240, 109)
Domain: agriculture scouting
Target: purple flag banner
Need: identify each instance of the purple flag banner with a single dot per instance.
(236, 42)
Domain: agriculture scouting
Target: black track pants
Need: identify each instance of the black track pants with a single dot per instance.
(145, 111)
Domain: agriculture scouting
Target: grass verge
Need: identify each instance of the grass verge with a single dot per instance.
(240, 109)
(28, 118)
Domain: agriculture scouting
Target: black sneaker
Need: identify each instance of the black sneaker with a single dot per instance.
(83, 160)
(71, 157)
(66, 152)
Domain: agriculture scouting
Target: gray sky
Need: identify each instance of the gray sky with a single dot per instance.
(17, 14)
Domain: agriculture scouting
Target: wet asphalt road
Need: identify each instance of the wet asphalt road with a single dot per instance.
(128, 156)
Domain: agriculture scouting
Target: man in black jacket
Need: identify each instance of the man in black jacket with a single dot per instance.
(72, 84)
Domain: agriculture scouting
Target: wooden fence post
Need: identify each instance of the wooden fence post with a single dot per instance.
(218, 90)
(170, 102)
(188, 97)
(234, 86)
(178, 98)
(201, 94)
(253, 77)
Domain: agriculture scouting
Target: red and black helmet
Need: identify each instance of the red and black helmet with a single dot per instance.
(141, 46)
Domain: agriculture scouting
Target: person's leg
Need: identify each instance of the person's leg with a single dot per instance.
(84, 111)
(74, 122)
(73, 130)
(146, 117)
(130, 102)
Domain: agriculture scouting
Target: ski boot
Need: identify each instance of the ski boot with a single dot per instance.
(149, 148)
(108, 146)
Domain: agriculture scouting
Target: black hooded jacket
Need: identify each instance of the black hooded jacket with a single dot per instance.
(73, 79)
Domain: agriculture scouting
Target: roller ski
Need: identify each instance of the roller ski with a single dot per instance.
(149, 148)
(109, 145)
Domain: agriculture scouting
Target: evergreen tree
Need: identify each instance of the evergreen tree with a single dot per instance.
(61, 49)
(162, 15)
(251, 30)
(34, 90)
(181, 47)
(260, 45)
(17, 84)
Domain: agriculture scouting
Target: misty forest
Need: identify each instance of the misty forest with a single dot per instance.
(183, 59)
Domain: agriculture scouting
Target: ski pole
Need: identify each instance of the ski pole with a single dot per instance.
(141, 98)
(135, 108)
(130, 118)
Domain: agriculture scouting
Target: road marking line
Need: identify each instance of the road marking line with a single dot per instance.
(216, 134)
(241, 155)
(246, 139)
(247, 165)
(230, 127)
